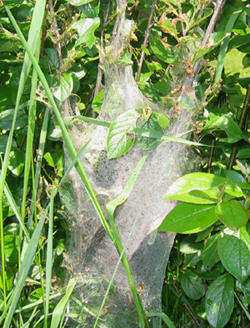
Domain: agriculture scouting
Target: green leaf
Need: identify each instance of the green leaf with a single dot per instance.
(149, 143)
(86, 28)
(52, 57)
(235, 254)
(159, 50)
(6, 119)
(65, 88)
(97, 101)
(3, 143)
(210, 254)
(163, 119)
(227, 124)
(214, 40)
(201, 188)
(233, 214)
(169, 27)
(220, 301)
(192, 285)
(189, 218)
(16, 162)
(119, 139)
(189, 246)
(58, 313)
(79, 2)
(206, 13)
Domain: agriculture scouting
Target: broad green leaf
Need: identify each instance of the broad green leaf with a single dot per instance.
(233, 214)
(234, 254)
(189, 218)
(201, 188)
(159, 50)
(220, 301)
(97, 101)
(16, 162)
(65, 88)
(86, 28)
(192, 285)
(6, 119)
(210, 254)
(243, 152)
(149, 143)
(227, 124)
(163, 119)
(120, 137)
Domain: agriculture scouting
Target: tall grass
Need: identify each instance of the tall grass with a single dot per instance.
(30, 244)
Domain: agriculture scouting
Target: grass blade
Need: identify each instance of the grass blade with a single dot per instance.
(224, 45)
(49, 258)
(68, 141)
(116, 268)
(58, 313)
(25, 267)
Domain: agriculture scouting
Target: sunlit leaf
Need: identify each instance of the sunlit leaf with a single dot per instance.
(234, 254)
(201, 188)
(189, 218)
(233, 214)
(65, 88)
(86, 28)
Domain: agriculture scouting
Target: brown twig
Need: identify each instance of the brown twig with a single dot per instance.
(242, 125)
(58, 37)
(210, 28)
(187, 307)
(145, 43)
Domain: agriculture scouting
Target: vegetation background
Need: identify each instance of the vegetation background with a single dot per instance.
(207, 280)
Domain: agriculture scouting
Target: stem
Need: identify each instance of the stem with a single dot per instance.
(218, 8)
(58, 37)
(244, 115)
(145, 43)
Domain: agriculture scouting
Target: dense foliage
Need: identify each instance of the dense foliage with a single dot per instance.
(207, 281)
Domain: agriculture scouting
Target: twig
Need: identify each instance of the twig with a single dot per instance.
(242, 124)
(57, 35)
(145, 43)
(187, 307)
(188, 83)
(218, 8)
(100, 71)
